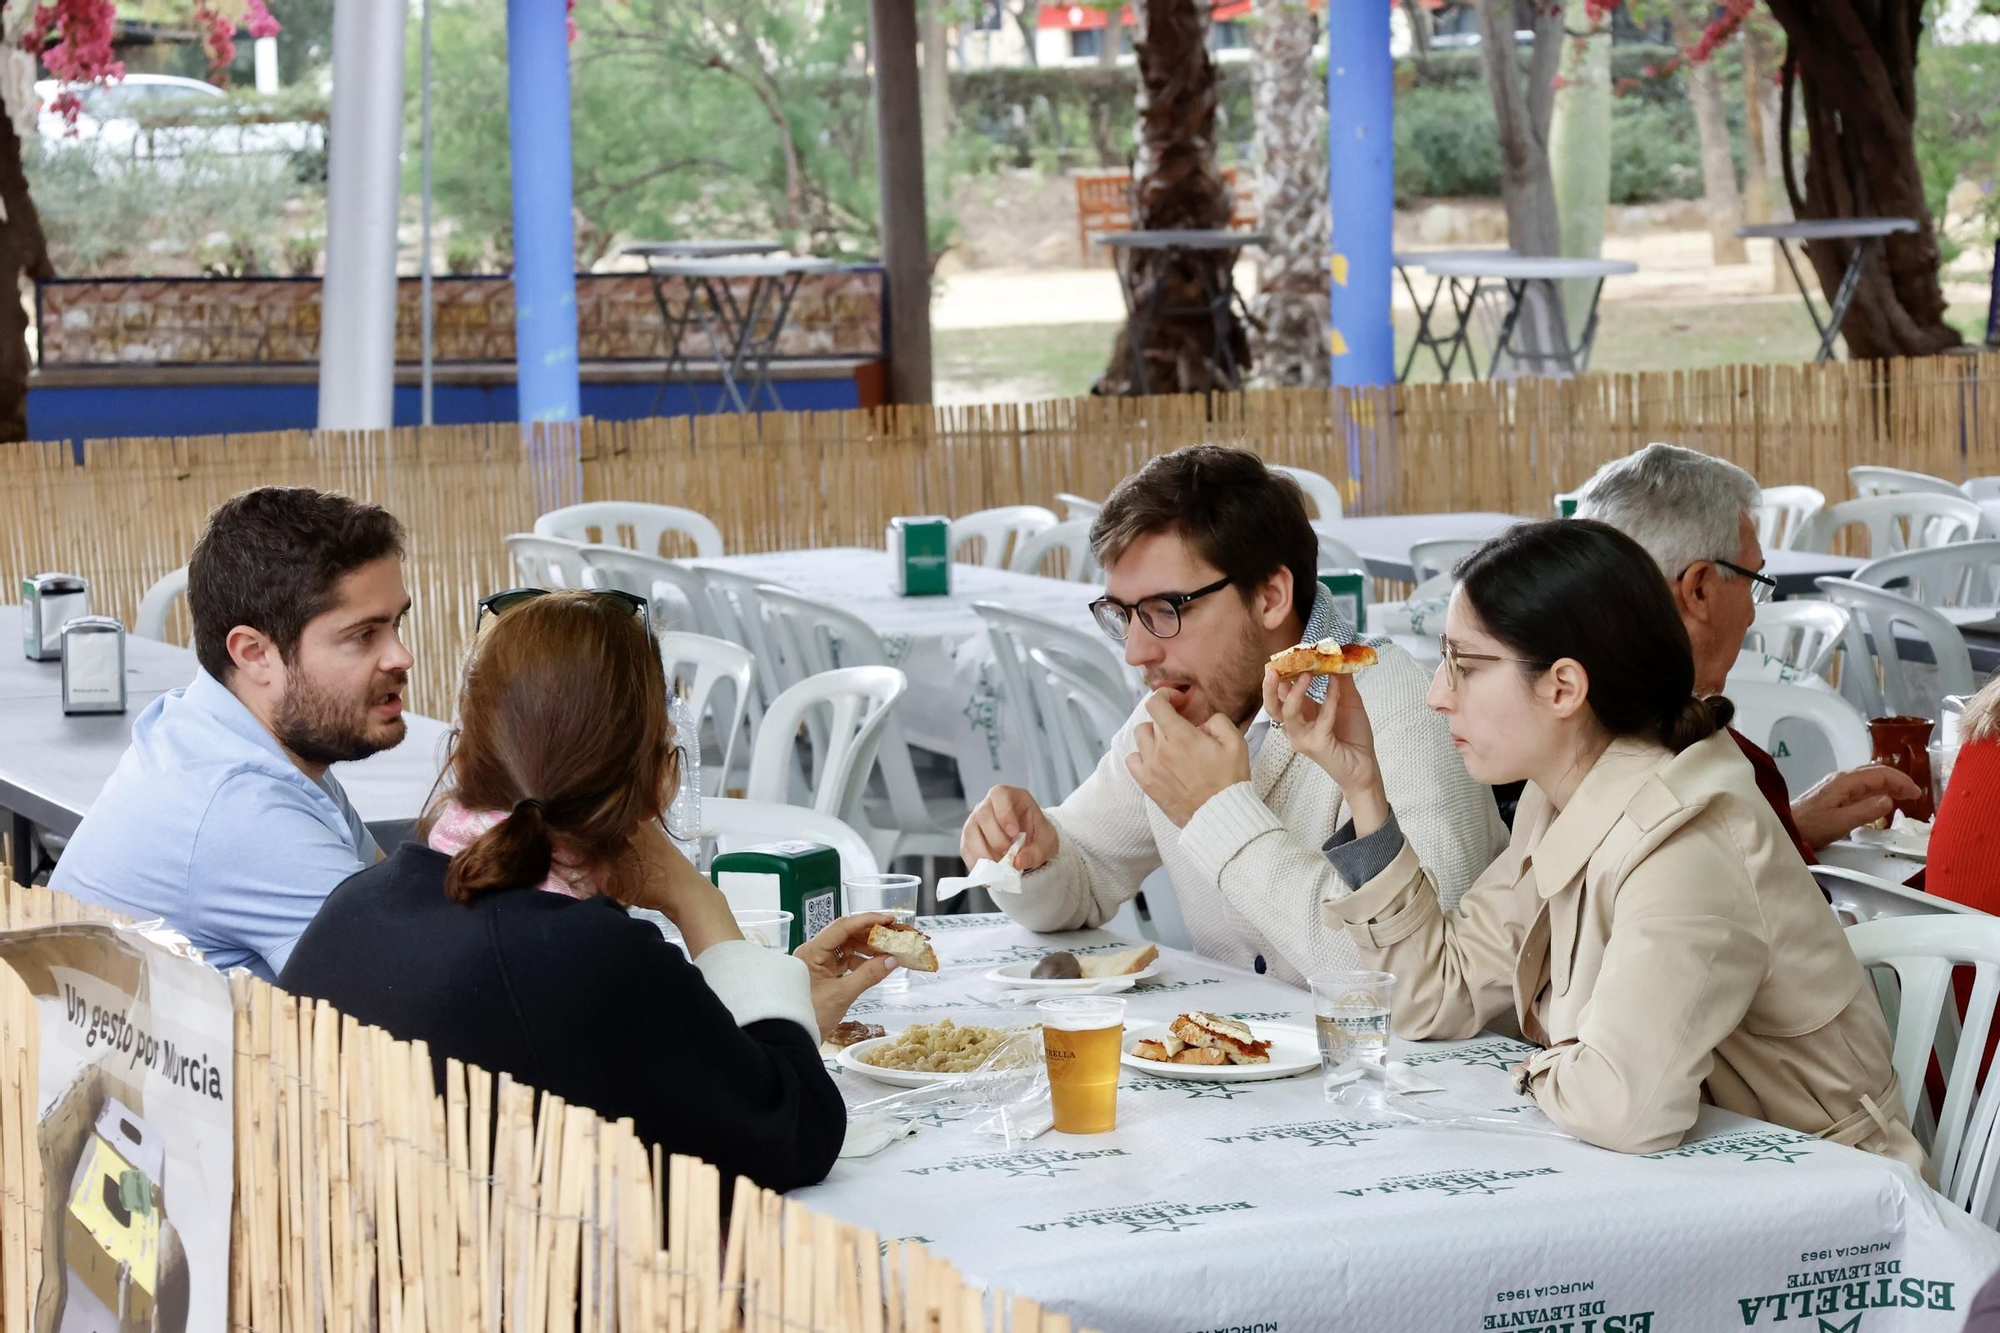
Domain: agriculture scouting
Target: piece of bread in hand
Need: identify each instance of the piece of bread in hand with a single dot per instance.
(1120, 964)
(1328, 657)
(911, 946)
(1205, 1031)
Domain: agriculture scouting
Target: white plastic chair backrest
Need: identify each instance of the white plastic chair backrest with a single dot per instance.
(854, 705)
(1085, 718)
(1890, 688)
(1784, 515)
(545, 562)
(1335, 553)
(1321, 493)
(1031, 703)
(1922, 951)
(1075, 506)
(739, 618)
(649, 576)
(1801, 631)
(1764, 708)
(648, 524)
(1963, 574)
(1439, 555)
(1070, 538)
(999, 532)
(735, 824)
(151, 622)
(1858, 897)
(1980, 489)
(702, 663)
(1869, 480)
(1907, 522)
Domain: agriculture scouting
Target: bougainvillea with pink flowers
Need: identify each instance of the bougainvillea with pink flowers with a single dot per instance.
(73, 38)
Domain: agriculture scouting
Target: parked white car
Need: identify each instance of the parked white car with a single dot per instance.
(112, 114)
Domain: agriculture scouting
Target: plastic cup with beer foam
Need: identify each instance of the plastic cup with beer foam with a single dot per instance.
(1083, 1038)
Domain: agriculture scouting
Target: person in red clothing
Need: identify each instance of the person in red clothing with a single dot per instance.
(1692, 514)
(1964, 860)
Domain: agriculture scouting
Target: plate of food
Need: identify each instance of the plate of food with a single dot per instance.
(1905, 837)
(926, 1053)
(1210, 1049)
(1096, 972)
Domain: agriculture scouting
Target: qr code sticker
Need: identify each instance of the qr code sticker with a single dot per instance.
(819, 913)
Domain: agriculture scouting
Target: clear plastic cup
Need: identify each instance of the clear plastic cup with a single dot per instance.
(771, 929)
(894, 894)
(1351, 1014)
(1083, 1038)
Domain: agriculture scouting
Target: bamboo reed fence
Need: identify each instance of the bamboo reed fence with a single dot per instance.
(803, 480)
(365, 1201)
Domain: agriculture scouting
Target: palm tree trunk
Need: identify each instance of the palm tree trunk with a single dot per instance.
(1176, 185)
(24, 253)
(1290, 313)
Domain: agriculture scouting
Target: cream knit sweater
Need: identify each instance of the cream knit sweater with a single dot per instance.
(1247, 868)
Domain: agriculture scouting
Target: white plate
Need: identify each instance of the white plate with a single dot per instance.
(850, 1058)
(1294, 1051)
(1016, 975)
(1913, 844)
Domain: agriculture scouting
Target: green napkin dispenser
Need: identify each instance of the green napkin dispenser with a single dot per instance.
(1350, 595)
(802, 878)
(920, 556)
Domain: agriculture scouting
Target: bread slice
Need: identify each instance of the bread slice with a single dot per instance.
(1201, 1055)
(911, 946)
(1205, 1031)
(1120, 964)
(1328, 657)
(1151, 1050)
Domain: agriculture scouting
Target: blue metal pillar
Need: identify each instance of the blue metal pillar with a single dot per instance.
(1361, 189)
(544, 237)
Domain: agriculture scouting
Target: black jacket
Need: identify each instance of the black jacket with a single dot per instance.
(573, 997)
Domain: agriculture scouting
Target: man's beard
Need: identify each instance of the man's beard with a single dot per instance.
(1237, 689)
(321, 727)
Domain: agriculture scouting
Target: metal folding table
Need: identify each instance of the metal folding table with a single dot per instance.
(1461, 302)
(1518, 273)
(742, 334)
(1869, 235)
(1217, 297)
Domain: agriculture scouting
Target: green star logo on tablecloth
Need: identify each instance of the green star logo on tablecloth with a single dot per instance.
(982, 710)
(1773, 1145)
(1776, 1154)
(1500, 1053)
(1169, 1224)
(1039, 1170)
(1189, 1088)
(1471, 1187)
(1335, 1136)
(1851, 1326)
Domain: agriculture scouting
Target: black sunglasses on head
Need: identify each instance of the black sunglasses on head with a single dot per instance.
(500, 603)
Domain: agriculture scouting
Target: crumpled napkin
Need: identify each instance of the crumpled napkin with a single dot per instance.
(993, 876)
(870, 1134)
(1401, 1078)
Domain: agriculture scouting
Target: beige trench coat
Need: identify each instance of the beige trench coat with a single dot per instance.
(1662, 941)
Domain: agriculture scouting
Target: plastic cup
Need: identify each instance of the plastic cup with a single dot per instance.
(1351, 1014)
(1083, 1039)
(894, 894)
(771, 929)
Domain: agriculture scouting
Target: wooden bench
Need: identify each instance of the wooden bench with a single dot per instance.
(1104, 204)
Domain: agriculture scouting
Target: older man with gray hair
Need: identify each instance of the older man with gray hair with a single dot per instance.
(1692, 513)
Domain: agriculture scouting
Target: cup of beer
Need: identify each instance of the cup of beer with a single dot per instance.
(1082, 1038)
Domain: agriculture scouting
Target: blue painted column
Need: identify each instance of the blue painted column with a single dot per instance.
(1361, 186)
(544, 237)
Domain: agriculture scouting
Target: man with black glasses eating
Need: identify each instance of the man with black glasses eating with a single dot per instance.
(1210, 568)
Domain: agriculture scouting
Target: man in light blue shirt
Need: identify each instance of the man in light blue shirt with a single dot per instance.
(222, 819)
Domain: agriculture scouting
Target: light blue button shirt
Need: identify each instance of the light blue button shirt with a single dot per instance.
(208, 825)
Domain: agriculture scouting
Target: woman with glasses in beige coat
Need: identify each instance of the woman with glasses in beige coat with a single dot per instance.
(1650, 924)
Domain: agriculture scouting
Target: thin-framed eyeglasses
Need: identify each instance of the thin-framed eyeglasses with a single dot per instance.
(1762, 586)
(1454, 670)
(1160, 613)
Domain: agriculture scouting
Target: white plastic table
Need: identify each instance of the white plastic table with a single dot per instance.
(1260, 1206)
(52, 767)
(742, 335)
(1869, 235)
(1517, 273)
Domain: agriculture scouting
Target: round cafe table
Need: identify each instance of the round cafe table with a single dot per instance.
(1531, 292)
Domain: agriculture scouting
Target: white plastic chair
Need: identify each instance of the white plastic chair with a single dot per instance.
(1922, 951)
(1083, 720)
(151, 622)
(1858, 897)
(1962, 575)
(648, 523)
(702, 663)
(1439, 555)
(998, 532)
(739, 618)
(1779, 717)
(1876, 676)
(1981, 489)
(1801, 631)
(1784, 515)
(1320, 490)
(1335, 553)
(646, 576)
(1907, 522)
(545, 562)
(1033, 705)
(1071, 540)
(821, 639)
(734, 824)
(1075, 506)
(1897, 481)
(853, 705)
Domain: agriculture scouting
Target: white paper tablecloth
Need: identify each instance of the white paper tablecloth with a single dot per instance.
(1258, 1206)
(953, 704)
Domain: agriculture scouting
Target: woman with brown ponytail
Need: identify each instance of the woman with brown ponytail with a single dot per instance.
(1650, 924)
(501, 937)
